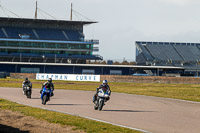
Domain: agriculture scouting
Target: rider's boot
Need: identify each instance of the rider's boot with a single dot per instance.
(94, 98)
(23, 91)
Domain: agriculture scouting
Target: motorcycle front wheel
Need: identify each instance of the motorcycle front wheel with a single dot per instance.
(95, 105)
(101, 103)
(44, 100)
(28, 94)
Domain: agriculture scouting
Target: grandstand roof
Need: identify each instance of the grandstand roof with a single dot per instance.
(7, 20)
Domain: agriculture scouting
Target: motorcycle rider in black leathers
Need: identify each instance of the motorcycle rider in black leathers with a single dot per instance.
(26, 82)
(105, 86)
(48, 84)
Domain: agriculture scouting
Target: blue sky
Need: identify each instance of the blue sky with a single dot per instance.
(121, 23)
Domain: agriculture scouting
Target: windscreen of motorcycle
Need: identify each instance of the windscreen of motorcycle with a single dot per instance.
(104, 89)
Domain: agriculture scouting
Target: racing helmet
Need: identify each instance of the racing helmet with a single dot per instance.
(50, 80)
(105, 82)
(26, 79)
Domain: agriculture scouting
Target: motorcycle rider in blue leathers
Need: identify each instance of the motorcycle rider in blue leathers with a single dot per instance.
(104, 86)
(48, 84)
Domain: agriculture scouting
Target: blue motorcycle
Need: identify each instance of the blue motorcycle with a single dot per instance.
(45, 95)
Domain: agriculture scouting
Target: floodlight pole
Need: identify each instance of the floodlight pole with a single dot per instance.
(36, 11)
(71, 12)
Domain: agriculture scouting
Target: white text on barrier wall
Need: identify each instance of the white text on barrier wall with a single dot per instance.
(68, 77)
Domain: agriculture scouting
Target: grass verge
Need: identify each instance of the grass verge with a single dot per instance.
(177, 91)
(79, 123)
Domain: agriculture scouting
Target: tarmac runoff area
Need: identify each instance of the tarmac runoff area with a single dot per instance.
(143, 113)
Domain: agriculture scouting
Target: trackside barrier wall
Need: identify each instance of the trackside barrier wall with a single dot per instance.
(133, 79)
(68, 77)
(151, 79)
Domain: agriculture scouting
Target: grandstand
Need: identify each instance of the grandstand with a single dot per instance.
(185, 55)
(49, 41)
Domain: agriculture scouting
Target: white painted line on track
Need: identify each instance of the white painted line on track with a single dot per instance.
(144, 131)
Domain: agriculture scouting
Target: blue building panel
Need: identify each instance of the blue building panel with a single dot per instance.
(7, 68)
(62, 69)
(55, 68)
(59, 69)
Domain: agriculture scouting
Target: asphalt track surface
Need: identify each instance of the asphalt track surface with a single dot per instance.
(151, 114)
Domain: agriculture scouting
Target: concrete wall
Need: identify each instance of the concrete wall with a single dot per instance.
(151, 79)
(133, 79)
(23, 75)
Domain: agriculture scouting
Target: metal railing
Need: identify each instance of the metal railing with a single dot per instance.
(95, 49)
(92, 41)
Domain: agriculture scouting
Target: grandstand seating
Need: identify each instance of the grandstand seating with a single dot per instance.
(185, 52)
(15, 32)
(156, 52)
(2, 34)
(43, 34)
(146, 53)
(38, 40)
(50, 34)
(176, 54)
(73, 35)
(170, 52)
(196, 51)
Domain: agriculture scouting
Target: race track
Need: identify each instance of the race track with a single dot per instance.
(152, 114)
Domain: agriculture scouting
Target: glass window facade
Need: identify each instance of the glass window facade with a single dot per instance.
(46, 47)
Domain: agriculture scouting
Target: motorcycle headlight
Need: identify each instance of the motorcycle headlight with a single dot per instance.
(47, 91)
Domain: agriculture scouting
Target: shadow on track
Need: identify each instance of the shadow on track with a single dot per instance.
(35, 98)
(68, 104)
(8, 129)
(127, 111)
(40, 98)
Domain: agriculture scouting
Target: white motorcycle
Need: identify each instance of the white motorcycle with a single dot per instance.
(102, 97)
(27, 91)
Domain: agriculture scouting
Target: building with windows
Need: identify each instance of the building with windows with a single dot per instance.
(45, 41)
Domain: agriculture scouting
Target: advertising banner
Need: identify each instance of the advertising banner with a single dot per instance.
(68, 77)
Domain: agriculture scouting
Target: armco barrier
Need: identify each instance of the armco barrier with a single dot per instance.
(133, 79)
